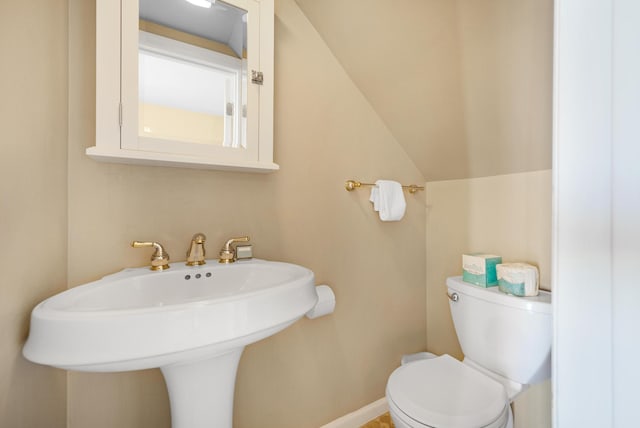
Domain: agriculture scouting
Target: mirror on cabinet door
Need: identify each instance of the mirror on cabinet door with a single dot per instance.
(185, 83)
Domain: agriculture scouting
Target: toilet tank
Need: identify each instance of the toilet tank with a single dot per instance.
(506, 334)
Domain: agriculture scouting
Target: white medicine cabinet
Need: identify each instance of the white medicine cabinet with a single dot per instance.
(185, 83)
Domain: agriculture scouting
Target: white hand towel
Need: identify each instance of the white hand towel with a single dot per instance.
(375, 198)
(388, 200)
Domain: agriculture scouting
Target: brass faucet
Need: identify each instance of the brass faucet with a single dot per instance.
(196, 253)
(159, 258)
(228, 253)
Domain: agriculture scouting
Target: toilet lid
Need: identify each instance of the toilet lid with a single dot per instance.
(443, 392)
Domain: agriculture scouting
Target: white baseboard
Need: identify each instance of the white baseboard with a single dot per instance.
(361, 416)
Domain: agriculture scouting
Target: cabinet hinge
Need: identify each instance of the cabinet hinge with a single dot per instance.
(257, 77)
(229, 109)
(120, 114)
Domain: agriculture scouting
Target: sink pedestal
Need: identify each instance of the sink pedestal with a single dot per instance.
(201, 391)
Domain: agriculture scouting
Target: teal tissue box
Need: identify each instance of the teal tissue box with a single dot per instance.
(480, 269)
(516, 289)
(519, 279)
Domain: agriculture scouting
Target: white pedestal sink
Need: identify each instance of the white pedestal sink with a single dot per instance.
(191, 322)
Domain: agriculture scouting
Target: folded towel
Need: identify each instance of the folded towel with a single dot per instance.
(375, 198)
(388, 200)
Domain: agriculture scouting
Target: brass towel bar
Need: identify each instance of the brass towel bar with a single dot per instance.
(352, 185)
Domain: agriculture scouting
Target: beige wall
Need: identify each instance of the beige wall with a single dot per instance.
(404, 56)
(506, 51)
(508, 215)
(325, 133)
(33, 201)
(464, 85)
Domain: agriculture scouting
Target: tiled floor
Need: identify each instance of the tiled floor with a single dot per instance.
(383, 421)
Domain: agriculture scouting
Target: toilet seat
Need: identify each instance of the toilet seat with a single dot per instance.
(442, 392)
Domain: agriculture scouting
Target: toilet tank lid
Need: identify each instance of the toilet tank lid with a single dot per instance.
(540, 303)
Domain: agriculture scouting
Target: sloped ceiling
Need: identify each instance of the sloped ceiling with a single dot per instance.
(465, 86)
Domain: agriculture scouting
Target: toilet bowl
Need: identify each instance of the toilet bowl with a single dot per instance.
(444, 392)
(506, 341)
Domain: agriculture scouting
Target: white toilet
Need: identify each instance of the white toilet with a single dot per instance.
(506, 341)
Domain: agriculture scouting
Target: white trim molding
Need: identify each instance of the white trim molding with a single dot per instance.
(361, 416)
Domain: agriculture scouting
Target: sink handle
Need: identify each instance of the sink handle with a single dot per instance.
(228, 254)
(159, 258)
(227, 245)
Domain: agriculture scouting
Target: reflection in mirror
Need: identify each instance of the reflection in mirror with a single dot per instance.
(192, 72)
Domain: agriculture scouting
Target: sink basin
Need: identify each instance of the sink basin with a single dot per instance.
(138, 319)
(192, 322)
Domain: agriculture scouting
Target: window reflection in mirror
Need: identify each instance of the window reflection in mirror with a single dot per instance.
(192, 72)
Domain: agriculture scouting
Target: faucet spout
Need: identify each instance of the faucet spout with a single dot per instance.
(196, 253)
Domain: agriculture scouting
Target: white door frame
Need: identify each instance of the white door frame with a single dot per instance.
(596, 226)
